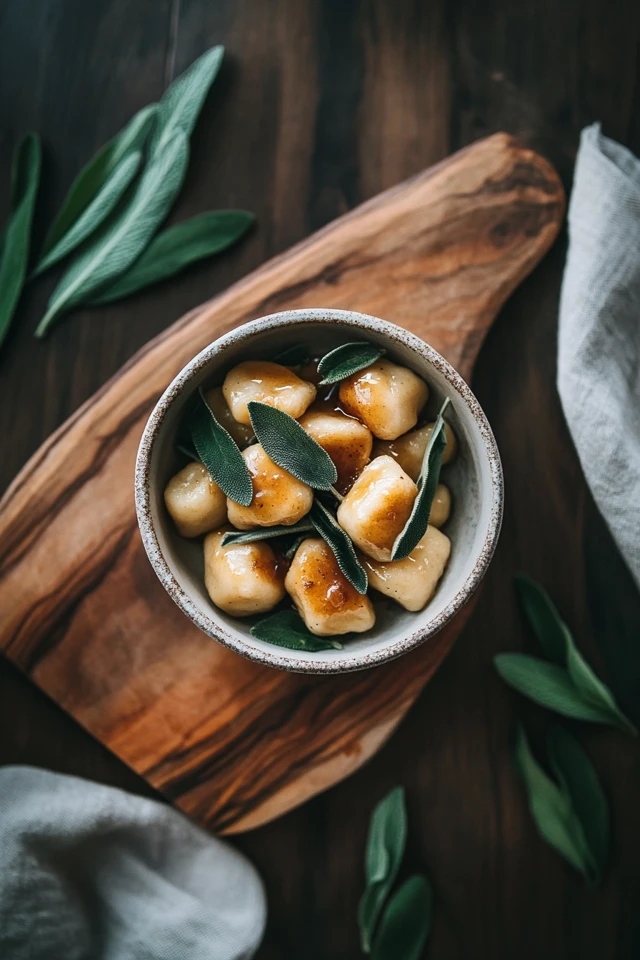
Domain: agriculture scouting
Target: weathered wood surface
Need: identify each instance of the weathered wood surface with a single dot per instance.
(232, 743)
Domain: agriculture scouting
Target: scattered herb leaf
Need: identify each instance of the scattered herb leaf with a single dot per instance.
(547, 684)
(291, 447)
(347, 359)
(416, 526)
(182, 101)
(123, 236)
(176, 248)
(572, 681)
(265, 533)
(576, 774)
(341, 545)
(92, 179)
(385, 848)
(294, 356)
(287, 629)
(550, 630)
(14, 252)
(96, 212)
(552, 810)
(405, 924)
(221, 455)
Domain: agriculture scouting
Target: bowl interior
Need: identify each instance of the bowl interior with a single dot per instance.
(472, 479)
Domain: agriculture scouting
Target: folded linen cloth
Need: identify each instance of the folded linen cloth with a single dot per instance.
(599, 333)
(89, 872)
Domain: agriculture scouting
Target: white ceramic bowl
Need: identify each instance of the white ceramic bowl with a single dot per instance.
(475, 479)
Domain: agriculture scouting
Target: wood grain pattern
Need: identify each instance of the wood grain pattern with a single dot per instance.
(233, 743)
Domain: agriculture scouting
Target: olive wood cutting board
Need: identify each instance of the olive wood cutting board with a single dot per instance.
(232, 743)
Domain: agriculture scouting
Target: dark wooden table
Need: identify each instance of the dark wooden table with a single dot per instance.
(319, 106)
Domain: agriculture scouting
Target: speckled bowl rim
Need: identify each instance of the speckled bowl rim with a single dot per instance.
(282, 658)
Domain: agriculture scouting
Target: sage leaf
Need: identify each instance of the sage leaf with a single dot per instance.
(551, 631)
(87, 187)
(578, 778)
(291, 447)
(385, 848)
(176, 248)
(547, 684)
(99, 208)
(416, 526)
(595, 692)
(557, 641)
(14, 254)
(265, 533)
(294, 356)
(406, 922)
(286, 628)
(221, 455)
(341, 545)
(552, 810)
(182, 101)
(122, 237)
(347, 359)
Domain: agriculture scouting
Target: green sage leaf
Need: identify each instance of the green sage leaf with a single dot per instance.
(182, 101)
(347, 359)
(97, 211)
(14, 254)
(93, 179)
(294, 356)
(341, 545)
(551, 631)
(385, 848)
(286, 628)
(123, 236)
(220, 454)
(406, 922)
(549, 685)
(416, 526)
(576, 773)
(291, 447)
(552, 809)
(265, 533)
(176, 248)
(595, 692)
(557, 641)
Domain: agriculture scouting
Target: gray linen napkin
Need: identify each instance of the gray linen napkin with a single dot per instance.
(599, 335)
(92, 873)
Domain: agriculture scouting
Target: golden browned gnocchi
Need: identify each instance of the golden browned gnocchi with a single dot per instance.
(386, 397)
(324, 598)
(269, 383)
(377, 507)
(277, 496)
(195, 502)
(347, 441)
(242, 578)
